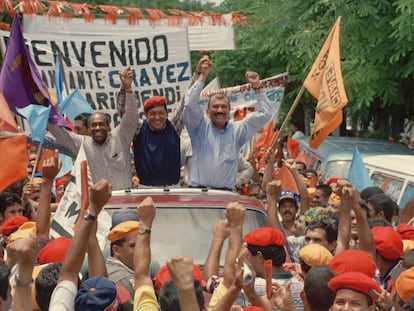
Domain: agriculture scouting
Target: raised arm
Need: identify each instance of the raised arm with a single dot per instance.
(221, 232)
(142, 251)
(181, 271)
(24, 252)
(50, 169)
(272, 190)
(127, 101)
(99, 195)
(303, 190)
(235, 214)
(193, 112)
(96, 261)
(68, 139)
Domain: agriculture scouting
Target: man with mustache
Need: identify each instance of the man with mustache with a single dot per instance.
(215, 140)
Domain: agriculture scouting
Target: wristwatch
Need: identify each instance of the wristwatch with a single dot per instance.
(88, 216)
(20, 283)
(143, 230)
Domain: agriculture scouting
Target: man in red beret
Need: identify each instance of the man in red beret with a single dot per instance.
(107, 151)
(354, 289)
(157, 145)
(215, 140)
(389, 249)
(268, 243)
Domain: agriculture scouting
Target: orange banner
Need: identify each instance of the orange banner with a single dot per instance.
(325, 83)
(7, 122)
(13, 160)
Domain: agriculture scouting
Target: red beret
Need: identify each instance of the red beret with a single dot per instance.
(388, 243)
(253, 308)
(353, 260)
(163, 276)
(154, 101)
(12, 224)
(54, 251)
(332, 180)
(406, 231)
(356, 281)
(265, 237)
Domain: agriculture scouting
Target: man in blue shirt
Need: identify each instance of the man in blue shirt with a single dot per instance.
(215, 140)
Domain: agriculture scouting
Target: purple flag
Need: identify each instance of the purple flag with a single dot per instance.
(20, 81)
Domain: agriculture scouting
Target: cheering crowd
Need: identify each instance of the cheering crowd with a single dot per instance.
(326, 246)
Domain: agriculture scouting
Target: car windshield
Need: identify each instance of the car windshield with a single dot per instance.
(338, 168)
(189, 231)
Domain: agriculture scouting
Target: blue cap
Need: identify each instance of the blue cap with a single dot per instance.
(124, 214)
(288, 195)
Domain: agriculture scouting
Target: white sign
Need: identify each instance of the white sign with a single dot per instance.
(160, 62)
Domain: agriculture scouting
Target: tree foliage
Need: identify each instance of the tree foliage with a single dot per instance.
(376, 41)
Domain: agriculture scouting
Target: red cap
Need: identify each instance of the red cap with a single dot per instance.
(253, 308)
(264, 237)
(388, 242)
(54, 251)
(356, 281)
(406, 231)
(332, 180)
(61, 181)
(154, 101)
(353, 260)
(12, 224)
(163, 276)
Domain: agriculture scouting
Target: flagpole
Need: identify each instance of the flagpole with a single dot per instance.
(39, 150)
(65, 82)
(287, 118)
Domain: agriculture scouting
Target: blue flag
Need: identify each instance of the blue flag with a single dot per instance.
(37, 117)
(358, 174)
(75, 104)
(67, 165)
(20, 81)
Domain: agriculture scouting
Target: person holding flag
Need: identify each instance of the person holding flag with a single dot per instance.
(216, 141)
(107, 151)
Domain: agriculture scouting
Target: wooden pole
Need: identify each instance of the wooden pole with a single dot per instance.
(39, 150)
(288, 116)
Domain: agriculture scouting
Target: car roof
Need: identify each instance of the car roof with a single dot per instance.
(182, 197)
(402, 164)
(366, 146)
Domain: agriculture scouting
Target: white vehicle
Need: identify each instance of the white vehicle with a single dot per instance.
(395, 175)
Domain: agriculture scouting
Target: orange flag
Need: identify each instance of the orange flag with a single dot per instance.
(292, 148)
(265, 137)
(13, 160)
(325, 83)
(301, 157)
(288, 182)
(7, 122)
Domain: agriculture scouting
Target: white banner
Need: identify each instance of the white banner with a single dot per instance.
(243, 97)
(68, 211)
(203, 37)
(160, 61)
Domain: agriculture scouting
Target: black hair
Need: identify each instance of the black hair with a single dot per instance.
(329, 225)
(325, 189)
(168, 296)
(106, 115)
(218, 96)
(274, 252)
(409, 305)
(84, 117)
(318, 294)
(4, 280)
(408, 260)
(119, 243)
(7, 199)
(378, 222)
(383, 203)
(45, 283)
(370, 191)
(304, 266)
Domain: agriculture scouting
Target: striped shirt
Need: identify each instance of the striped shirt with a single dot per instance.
(112, 159)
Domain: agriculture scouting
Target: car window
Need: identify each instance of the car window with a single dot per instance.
(392, 186)
(338, 168)
(407, 195)
(188, 231)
